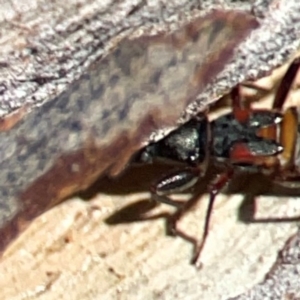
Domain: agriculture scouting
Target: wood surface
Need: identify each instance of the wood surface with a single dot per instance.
(70, 252)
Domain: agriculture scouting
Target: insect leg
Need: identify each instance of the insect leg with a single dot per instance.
(174, 182)
(286, 83)
(214, 189)
(240, 112)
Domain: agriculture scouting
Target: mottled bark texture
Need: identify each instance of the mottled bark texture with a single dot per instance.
(137, 88)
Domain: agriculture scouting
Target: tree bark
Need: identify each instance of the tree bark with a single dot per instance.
(47, 49)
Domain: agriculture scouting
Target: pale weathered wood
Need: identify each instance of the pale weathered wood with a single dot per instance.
(100, 121)
(70, 253)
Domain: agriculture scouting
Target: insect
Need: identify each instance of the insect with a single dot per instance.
(247, 139)
(96, 125)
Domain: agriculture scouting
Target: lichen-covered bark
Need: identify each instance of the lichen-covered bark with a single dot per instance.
(109, 113)
(141, 87)
(72, 253)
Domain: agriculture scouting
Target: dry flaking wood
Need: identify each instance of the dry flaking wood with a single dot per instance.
(96, 135)
(45, 46)
(109, 113)
(42, 116)
(282, 282)
(71, 253)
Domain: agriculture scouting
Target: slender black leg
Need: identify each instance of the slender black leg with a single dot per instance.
(174, 182)
(286, 84)
(240, 112)
(215, 187)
